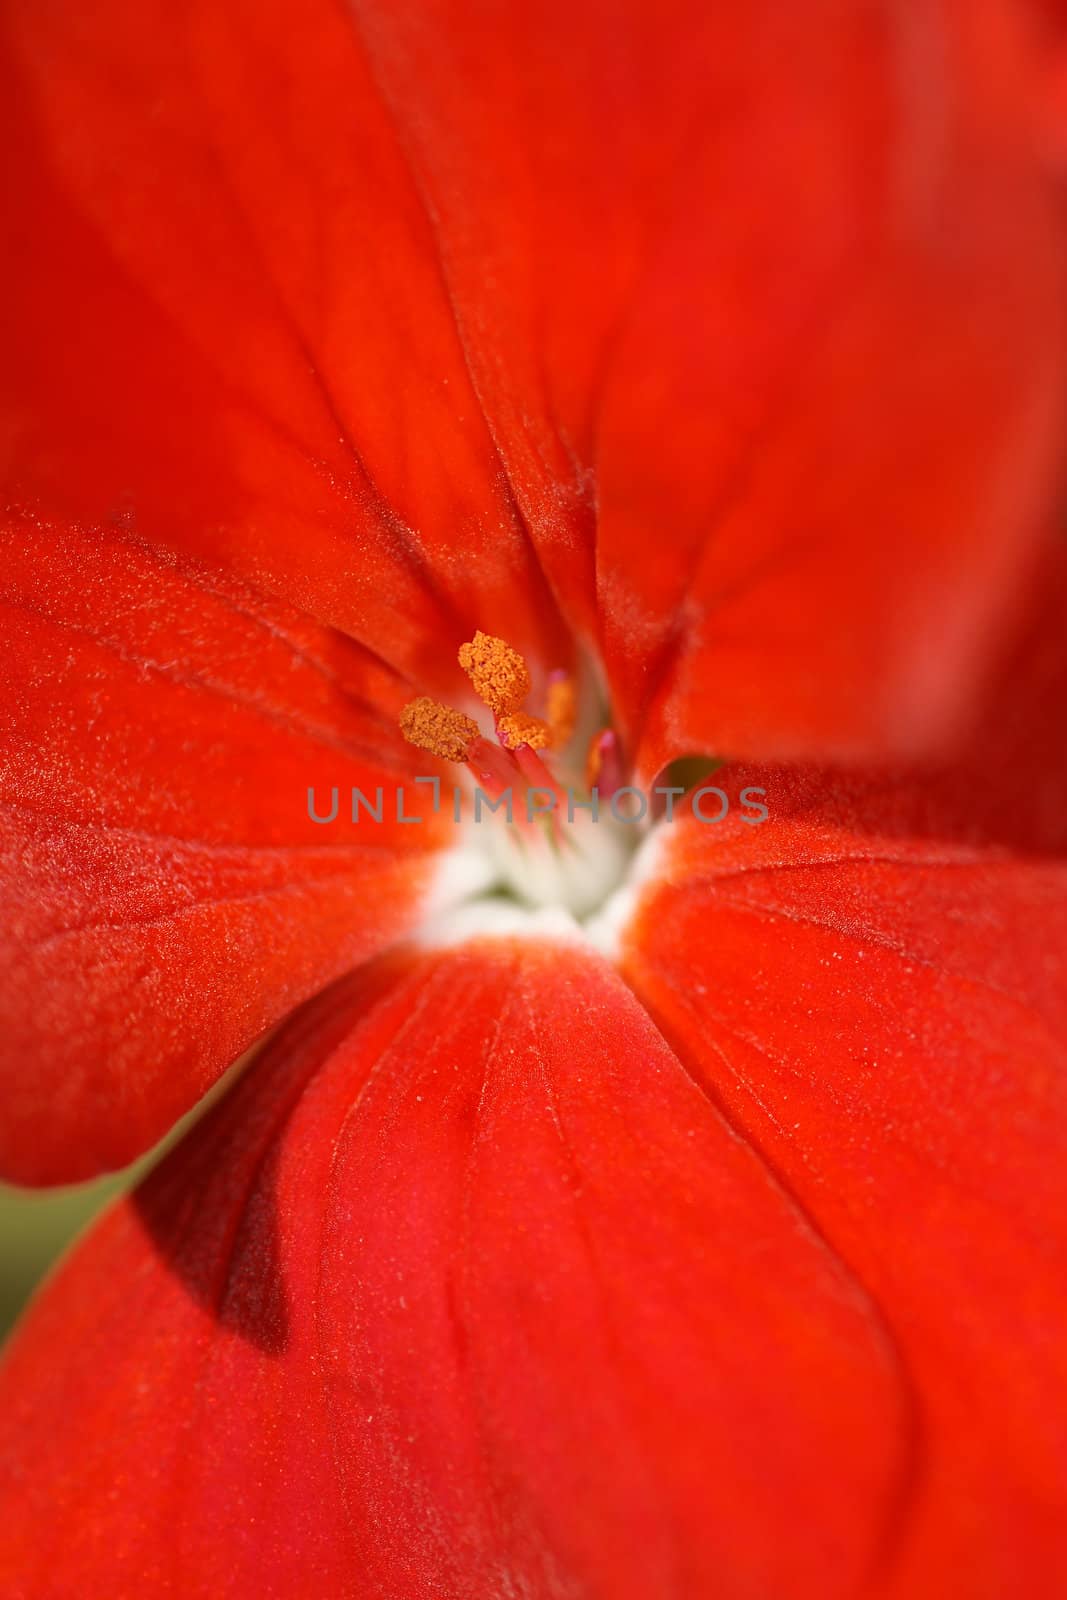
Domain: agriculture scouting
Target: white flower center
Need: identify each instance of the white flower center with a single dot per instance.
(574, 866)
(562, 851)
(579, 881)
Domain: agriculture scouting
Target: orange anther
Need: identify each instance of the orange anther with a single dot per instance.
(431, 726)
(562, 709)
(521, 728)
(499, 674)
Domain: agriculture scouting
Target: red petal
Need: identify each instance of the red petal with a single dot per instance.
(255, 359)
(873, 986)
(777, 289)
(163, 894)
(492, 1302)
(749, 317)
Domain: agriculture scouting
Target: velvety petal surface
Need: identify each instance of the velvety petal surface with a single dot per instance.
(467, 1289)
(745, 320)
(872, 987)
(164, 895)
(776, 296)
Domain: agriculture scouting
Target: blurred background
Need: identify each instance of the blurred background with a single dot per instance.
(35, 1228)
(38, 1225)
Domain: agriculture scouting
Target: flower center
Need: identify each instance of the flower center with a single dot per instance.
(543, 804)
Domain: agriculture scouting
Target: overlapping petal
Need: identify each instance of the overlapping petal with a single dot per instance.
(481, 1286)
(872, 986)
(466, 1290)
(228, 324)
(704, 333)
(164, 894)
(746, 319)
(778, 288)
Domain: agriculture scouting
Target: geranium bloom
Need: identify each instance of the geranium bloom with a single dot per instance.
(618, 1210)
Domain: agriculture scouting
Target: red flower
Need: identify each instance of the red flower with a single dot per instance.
(712, 1246)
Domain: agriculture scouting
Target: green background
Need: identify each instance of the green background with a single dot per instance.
(35, 1227)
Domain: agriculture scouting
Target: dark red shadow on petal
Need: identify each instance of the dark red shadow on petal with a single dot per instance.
(210, 1207)
(228, 1260)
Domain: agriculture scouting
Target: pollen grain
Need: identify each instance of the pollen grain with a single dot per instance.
(499, 674)
(520, 728)
(431, 726)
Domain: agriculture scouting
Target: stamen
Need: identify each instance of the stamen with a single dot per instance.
(538, 777)
(535, 772)
(499, 674)
(493, 769)
(545, 841)
(562, 708)
(603, 769)
(431, 726)
(521, 728)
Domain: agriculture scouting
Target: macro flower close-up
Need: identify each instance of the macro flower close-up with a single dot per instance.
(533, 798)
